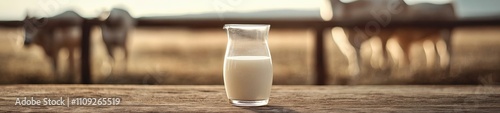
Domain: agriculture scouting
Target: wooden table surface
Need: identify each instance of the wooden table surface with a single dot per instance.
(212, 98)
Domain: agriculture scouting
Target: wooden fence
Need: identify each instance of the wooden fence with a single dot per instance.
(319, 26)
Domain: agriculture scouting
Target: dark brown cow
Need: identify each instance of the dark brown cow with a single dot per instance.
(378, 14)
(431, 37)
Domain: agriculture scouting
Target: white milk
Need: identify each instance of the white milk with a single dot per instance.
(248, 77)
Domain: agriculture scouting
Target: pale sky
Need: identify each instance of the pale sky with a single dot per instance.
(17, 9)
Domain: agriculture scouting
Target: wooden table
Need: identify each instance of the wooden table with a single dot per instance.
(136, 98)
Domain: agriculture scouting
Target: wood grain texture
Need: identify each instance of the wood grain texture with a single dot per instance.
(145, 98)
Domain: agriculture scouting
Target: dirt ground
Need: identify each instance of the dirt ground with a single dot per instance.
(195, 56)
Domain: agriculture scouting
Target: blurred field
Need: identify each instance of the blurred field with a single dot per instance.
(195, 56)
(161, 56)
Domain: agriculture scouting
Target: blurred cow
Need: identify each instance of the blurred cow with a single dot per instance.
(432, 38)
(378, 14)
(115, 28)
(54, 34)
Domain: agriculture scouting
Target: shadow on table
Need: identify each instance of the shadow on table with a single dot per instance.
(270, 108)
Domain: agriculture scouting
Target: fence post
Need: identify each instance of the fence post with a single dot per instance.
(320, 66)
(85, 52)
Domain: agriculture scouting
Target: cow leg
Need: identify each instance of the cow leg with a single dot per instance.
(444, 57)
(110, 49)
(111, 57)
(430, 53)
(376, 59)
(406, 53)
(385, 35)
(72, 64)
(54, 57)
(358, 63)
(355, 63)
(356, 38)
(125, 53)
(125, 60)
(405, 45)
(339, 35)
(445, 49)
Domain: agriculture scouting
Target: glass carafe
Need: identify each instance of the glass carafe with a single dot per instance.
(248, 70)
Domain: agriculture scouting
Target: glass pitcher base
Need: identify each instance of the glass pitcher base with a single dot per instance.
(249, 102)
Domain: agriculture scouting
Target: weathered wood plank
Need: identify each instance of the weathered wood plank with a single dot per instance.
(137, 98)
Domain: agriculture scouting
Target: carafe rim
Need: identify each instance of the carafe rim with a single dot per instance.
(246, 26)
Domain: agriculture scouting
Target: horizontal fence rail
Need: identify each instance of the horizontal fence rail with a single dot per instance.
(216, 23)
